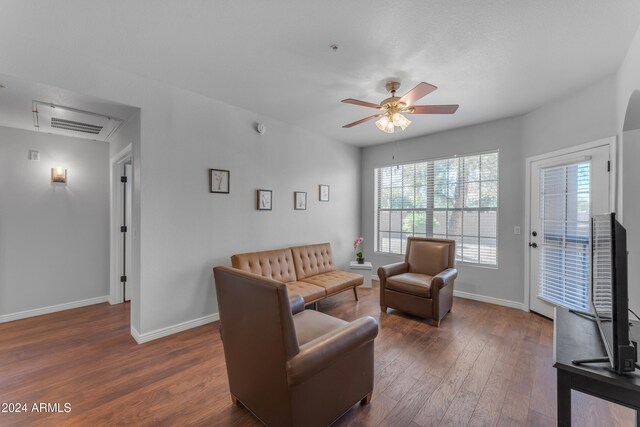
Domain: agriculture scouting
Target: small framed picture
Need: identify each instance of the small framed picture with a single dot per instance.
(324, 193)
(219, 181)
(299, 200)
(263, 198)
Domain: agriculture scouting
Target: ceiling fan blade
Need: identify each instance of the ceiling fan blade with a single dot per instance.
(366, 119)
(433, 109)
(361, 103)
(421, 89)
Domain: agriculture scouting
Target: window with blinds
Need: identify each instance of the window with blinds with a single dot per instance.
(565, 246)
(454, 198)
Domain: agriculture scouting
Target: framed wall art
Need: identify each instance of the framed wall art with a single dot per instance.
(299, 200)
(324, 193)
(219, 181)
(263, 200)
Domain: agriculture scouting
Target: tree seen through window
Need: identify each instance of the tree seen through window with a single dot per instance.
(455, 198)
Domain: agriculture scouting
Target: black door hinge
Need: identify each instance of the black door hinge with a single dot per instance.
(608, 165)
(123, 179)
(123, 278)
(123, 229)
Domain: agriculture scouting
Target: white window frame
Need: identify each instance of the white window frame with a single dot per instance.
(497, 209)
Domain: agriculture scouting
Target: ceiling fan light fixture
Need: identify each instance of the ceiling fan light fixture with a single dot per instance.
(392, 109)
(385, 125)
(401, 121)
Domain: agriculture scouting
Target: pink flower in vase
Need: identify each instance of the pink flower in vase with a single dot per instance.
(356, 244)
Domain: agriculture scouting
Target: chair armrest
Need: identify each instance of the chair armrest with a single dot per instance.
(445, 278)
(393, 270)
(318, 354)
(296, 302)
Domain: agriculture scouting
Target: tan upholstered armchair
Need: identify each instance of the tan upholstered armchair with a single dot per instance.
(289, 366)
(422, 285)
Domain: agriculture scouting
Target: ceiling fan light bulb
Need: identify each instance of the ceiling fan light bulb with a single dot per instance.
(382, 123)
(401, 121)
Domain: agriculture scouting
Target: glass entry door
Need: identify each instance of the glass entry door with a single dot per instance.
(565, 191)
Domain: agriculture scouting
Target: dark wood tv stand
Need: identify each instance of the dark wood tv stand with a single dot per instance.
(576, 337)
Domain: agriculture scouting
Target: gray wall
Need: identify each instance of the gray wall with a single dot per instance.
(54, 239)
(580, 117)
(184, 230)
(628, 82)
(505, 281)
(586, 115)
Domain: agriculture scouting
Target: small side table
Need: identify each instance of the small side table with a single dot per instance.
(364, 270)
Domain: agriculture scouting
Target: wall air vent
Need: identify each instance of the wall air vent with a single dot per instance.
(67, 121)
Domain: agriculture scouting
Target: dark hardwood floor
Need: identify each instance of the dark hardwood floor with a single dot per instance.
(486, 365)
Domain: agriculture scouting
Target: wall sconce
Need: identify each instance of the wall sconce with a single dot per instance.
(59, 175)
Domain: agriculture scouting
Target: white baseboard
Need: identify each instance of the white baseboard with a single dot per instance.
(135, 334)
(52, 309)
(490, 300)
(173, 329)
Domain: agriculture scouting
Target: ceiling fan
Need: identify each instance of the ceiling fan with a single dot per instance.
(394, 107)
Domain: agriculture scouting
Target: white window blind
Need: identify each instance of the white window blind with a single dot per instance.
(455, 198)
(601, 269)
(565, 250)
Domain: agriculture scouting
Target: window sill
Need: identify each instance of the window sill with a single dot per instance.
(465, 264)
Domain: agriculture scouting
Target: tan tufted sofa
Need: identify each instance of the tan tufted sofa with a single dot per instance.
(306, 270)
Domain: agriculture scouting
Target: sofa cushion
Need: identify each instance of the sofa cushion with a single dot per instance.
(311, 324)
(335, 281)
(310, 260)
(276, 264)
(428, 257)
(411, 283)
(309, 292)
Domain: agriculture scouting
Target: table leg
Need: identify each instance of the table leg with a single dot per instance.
(637, 418)
(564, 398)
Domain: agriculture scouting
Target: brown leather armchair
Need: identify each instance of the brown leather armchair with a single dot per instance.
(302, 369)
(422, 285)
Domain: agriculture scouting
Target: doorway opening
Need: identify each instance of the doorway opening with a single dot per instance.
(121, 226)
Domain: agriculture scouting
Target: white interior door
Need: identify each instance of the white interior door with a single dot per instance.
(565, 191)
(128, 190)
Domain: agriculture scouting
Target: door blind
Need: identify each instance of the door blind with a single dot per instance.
(565, 222)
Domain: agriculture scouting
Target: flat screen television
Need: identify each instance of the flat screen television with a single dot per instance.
(609, 296)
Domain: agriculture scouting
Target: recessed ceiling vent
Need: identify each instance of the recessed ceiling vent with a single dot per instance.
(75, 126)
(67, 121)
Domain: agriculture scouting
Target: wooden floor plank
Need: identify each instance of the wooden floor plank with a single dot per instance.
(515, 410)
(487, 410)
(536, 419)
(485, 365)
(436, 406)
(406, 409)
(461, 409)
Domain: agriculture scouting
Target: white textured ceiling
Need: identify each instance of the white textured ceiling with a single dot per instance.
(496, 58)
